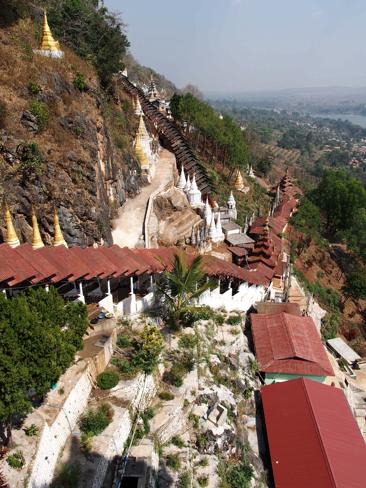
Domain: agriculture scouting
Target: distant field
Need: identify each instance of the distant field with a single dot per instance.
(288, 156)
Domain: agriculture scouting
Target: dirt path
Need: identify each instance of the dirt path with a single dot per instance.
(128, 226)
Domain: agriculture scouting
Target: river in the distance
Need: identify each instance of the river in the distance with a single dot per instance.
(353, 118)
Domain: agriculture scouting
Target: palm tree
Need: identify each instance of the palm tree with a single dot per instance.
(181, 286)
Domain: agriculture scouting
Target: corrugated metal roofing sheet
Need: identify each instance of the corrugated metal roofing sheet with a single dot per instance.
(314, 441)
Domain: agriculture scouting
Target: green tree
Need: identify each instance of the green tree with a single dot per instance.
(148, 348)
(307, 219)
(92, 32)
(356, 235)
(355, 286)
(181, 286)
(39, 338)
(339, 197)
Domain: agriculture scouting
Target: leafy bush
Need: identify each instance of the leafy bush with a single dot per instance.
(203, 480)
(193, 314)
(166, 395)
(3, 113)
(41, 113)
(34, 88)
(95, 421)
(123, 341)
(107, 380)
(234, 319)
(329, 328)
(31, 158)
(188, 341)
(31, 431)
(173, 461)
(146, 416)
(176, 374)
(184, 481)
(239, 475)
(148, 348)
(178, 441)
(219, 319)
(125, 366)
(16, 460)
(86, 441)
(80, 83)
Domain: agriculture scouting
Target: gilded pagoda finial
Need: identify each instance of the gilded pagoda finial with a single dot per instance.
(239, 183)
(36, 237)
(11, 237)
(48, 46)
(58, 239)
(140, 153)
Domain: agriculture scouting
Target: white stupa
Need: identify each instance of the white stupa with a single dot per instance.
(194, 194)
(188, 185)
(207, 212)
(182, 180)
(219, 234)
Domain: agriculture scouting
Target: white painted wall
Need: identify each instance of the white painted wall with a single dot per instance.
(246, 296)
(53, 437)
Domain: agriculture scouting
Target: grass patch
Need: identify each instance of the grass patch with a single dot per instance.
(41, 113)
(173, 461)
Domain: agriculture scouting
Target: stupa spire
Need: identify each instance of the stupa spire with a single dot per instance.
(58, 239)
(140, 153)
(11, 236)
(142, 131)
(49, 47)
(239, 183)
(36, 238)
(182, 180)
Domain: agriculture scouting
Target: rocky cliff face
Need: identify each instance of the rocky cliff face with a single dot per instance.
(63, 142)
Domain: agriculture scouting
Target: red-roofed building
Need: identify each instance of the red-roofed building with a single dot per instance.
(313, 439)
(288, 346)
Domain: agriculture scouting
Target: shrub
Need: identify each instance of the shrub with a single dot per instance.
(16, 460)
(193, 314)
(95, 421)
(178, 441)
(31, 158)
(188, 341)
(41, 113)
(80, 83)
(329, 328)
(107, 380)
(234, 320)
(173, 462)
(34, 88)
(146, 416)
(166, 395)
(219, 319)
(203, 480)
(3, 113)
(239, 475)
(195, 420)
(148, 348)
(125, 367)
(86, 441)
(184, 481)
(123, 341)
(176, 374)
(31, 431)
(203, 462)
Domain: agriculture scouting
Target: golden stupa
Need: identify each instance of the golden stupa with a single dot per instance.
(239, 183)
(58, 238)
(49, 47)
(142, 131)
(11, 237)
(140, 154)
(36, 238)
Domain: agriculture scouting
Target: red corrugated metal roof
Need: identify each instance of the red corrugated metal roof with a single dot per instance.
(60, 263)
(314, 441)
(288, 344)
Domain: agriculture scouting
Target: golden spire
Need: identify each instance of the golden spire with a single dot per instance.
(239, 183)
(58, 239)
(36, 238)
(11, 236)
(48, 43)
(142, 131)
(140, 153)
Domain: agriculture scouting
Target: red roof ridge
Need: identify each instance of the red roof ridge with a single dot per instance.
(303, 384)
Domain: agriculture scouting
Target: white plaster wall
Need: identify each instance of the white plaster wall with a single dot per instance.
(53, 437)
(242, 300)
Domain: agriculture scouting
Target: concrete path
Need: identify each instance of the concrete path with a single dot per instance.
(128, 226)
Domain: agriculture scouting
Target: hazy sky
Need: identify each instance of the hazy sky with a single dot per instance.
(239, 45)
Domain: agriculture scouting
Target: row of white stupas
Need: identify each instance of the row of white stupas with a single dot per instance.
(211, 228)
